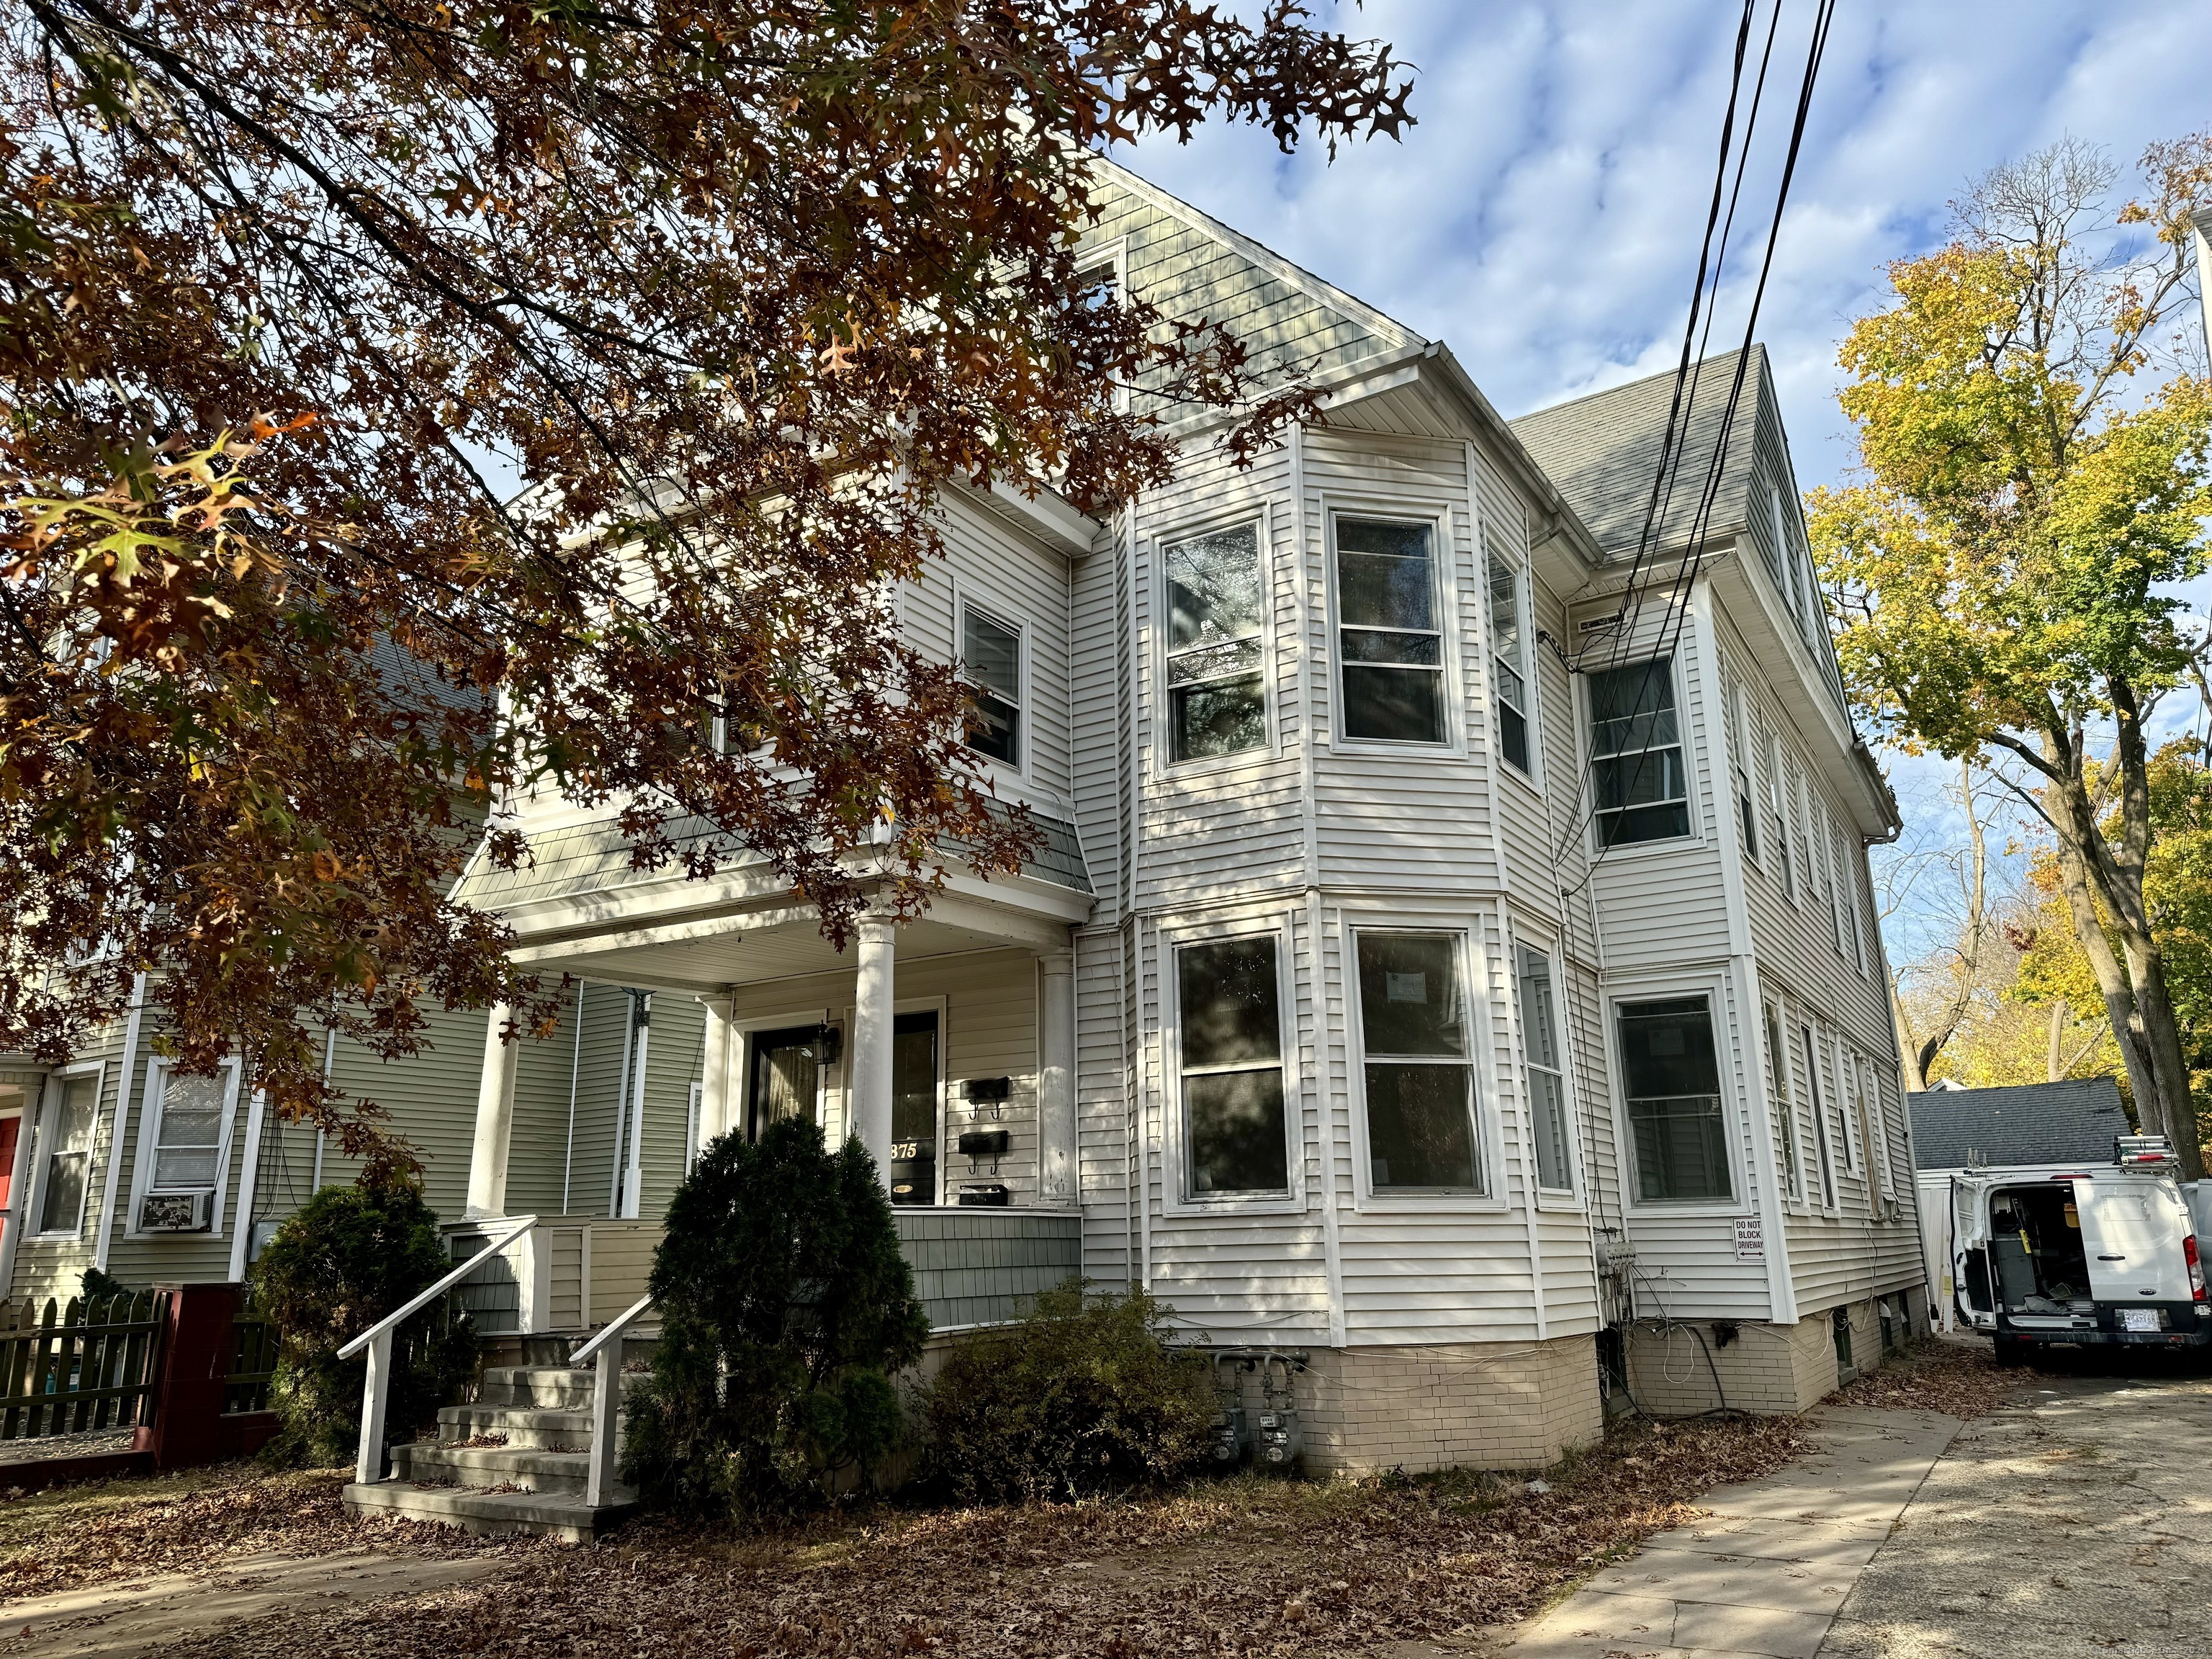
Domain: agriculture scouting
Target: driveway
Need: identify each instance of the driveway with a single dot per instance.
(2076, 1522)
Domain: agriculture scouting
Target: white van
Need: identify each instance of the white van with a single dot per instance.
(2097, 1254)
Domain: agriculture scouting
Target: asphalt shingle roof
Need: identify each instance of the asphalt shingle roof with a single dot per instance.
(1602, 452)
(2070, 1123)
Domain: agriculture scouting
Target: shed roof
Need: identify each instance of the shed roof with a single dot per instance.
(1603, 452)
(2070, 1122)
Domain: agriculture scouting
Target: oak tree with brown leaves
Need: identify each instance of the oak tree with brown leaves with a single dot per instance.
(411, 403)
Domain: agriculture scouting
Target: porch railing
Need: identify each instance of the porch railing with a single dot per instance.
(606, 1397)
(81, 1367)
(376, 1391)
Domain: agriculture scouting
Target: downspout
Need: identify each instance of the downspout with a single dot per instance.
(115, 1142)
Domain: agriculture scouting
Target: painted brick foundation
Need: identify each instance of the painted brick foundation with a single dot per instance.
(1475, 1405)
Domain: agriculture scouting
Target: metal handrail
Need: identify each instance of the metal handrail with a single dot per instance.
(376, 1388)
(606, 1396)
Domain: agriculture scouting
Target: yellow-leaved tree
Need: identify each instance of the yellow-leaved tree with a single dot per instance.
(2002, 571)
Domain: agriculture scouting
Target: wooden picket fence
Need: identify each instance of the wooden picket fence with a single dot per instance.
(253, 1371)
(79, 1367)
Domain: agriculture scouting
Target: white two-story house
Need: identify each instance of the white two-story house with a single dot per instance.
(1449, 959)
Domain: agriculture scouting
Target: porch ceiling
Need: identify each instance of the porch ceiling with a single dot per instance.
(754, 955)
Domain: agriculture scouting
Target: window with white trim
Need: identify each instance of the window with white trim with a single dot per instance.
(1740, 767)
(1670, 1076)
(1510, 665)
(1852, 865)
(187, 1132)
(1846, 1099)
(1786, 573)
(1229, 1022)
(1786, 857)
(1419, 1066)
(991, 659)
(1217, 696)
(1874, 1129)
(1636, 754)
(1785, 1109)
(1543, 1070)
(1833, 865)
(73, 1107)
(1390, 634)
(1820, 1139)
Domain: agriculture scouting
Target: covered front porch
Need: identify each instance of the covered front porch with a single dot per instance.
(694, 1009)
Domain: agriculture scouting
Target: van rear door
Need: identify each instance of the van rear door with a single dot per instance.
(1970, 1255)
(2131, 1231)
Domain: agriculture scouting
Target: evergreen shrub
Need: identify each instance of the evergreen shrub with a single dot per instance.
(350, 1256)
(786, 1309)
(1080, 1398)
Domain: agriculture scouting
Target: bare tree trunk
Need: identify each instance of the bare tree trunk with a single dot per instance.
(1908, 1045)
(2056, 1051)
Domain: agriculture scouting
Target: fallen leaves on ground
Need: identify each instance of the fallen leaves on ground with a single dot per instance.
(195, 1521)
(1938, 1375)
(1248, 1567)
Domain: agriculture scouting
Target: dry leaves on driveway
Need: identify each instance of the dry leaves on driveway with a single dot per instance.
(1241, 1567)
(1941, 1375)
(195, 1521)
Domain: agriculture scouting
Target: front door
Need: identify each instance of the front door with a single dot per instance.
(785, 1078)
(10, 1128)
(915, 1090)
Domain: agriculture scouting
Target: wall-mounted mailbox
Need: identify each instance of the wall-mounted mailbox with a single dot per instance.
(989, 1088)
(983, 1143)
(989, 1194)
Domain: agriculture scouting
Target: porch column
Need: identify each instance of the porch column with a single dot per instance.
(868, 1110)
(1056, 1081)
(495, 1119)
(715, 1090)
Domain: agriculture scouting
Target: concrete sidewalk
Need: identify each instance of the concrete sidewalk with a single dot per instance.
(1767, 1571)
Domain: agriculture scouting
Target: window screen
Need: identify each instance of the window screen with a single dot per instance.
(1636, 747)
(1391, 645)
(189, 1140)
(1541, 1065)
(1672, 1081)
(71, 1120)
(991, 653)
(1508, 661)
(1233, 1068)
(1216, 702)
(1785, 1109)
(1419, 1076)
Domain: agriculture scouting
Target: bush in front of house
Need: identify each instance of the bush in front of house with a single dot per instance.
(786, 1309)
(1080, 1398)
(349, 1257)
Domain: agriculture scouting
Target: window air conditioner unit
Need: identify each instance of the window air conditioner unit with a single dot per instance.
(175, 1213)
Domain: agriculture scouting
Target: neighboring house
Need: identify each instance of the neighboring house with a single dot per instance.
(2075, 1121)
(1320, 1014)
(1384, 992)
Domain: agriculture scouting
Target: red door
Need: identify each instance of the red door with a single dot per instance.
(9, 1129)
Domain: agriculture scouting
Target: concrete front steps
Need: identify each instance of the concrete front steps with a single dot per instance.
(516, 1461)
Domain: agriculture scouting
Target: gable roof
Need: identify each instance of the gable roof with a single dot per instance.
(2070, 1122)
(1603, 451)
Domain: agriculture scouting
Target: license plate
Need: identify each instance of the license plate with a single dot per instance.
(2142, 1319)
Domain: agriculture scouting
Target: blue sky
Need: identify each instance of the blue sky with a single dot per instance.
(1544, 216)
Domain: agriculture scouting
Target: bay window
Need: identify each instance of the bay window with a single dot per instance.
(1419, 1072)
(1391, 641)
(1509, 663)
(1229, 1008)
(1217, 698)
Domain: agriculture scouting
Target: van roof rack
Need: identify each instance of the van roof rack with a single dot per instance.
(2143, 1152)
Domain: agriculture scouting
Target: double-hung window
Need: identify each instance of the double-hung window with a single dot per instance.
(1540, 1067)
(1671, 1076)
(186, 1140)
(1390, 639)
(1217, 698)
(1873, 1133)
(1821, 1140)
(1833, 867)
(1509, 663)
(1778, 815)
(1746, 809)
(1229, 1006)
(73, 1106)
(1785, 1109)
(1636, 747)
(991, 656)
(1420, 1070)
